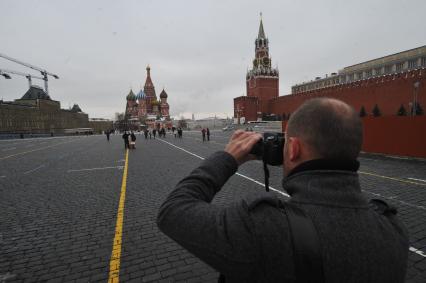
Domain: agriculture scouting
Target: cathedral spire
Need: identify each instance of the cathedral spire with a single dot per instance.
(148, 81)
(261, 31)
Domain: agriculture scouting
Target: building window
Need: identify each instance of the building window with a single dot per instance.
(399, 67)
(378, 71)
(424, 61)
(412, 64)
(388, 69)
(359, 76)
(351, 77)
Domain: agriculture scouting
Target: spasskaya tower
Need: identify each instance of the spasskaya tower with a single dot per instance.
(262, 82)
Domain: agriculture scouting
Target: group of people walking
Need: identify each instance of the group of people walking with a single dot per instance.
(153, 133)
(129, 140)
(130, 137)
(205, 132)
(177, 132)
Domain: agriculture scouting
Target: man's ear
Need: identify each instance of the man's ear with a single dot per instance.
(294, 149)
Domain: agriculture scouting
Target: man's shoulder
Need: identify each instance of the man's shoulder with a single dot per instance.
(258, 199)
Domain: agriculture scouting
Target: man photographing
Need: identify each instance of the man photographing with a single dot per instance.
(254, 240)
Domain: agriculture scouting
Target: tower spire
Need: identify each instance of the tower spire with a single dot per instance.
(261, 31)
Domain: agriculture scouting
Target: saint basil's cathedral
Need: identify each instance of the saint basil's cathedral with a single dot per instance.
(145, 110)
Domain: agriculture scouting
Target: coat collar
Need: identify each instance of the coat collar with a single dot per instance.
(321, 182)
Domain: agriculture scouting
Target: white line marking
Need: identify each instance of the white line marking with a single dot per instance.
(92, 169)
(8, 149)
(7, 276)
(193, 154)
(239, 174)
(34, 169)
(414, 179)
(412, 249)
(419, 252)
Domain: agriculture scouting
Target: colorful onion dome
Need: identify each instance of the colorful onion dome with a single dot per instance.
(163, 94)
(140, 95)
(131, 96)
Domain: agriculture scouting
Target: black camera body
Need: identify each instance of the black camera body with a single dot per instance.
(270, 148)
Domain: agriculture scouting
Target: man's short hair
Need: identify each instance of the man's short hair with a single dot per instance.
(331, 128)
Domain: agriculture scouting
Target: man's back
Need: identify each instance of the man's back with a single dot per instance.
(250, 240)
(358, 244)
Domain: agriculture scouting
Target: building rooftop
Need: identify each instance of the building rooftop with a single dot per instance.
(36, 92)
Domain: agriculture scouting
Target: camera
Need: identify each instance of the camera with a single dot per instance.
(270, 148)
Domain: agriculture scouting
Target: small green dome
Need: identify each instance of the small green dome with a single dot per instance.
(131, 96)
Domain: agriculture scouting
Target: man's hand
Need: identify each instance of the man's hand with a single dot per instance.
(240, 145)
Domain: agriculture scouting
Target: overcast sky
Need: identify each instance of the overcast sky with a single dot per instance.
(198, 50)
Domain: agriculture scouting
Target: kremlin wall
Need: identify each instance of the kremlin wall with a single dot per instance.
(392, 84)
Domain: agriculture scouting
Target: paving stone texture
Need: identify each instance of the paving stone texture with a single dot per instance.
(59, 199)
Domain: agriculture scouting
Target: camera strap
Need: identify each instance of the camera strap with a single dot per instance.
(266, 172)
(306, 246)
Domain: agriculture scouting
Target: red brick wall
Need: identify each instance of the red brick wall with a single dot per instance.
(388, 92)
(248, 107)
(265, 89)
(394, 135)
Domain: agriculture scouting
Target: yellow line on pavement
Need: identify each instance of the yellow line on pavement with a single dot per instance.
(392, 178)
(37, 149)
(114, 264)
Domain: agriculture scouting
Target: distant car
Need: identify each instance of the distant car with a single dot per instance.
(228, 128)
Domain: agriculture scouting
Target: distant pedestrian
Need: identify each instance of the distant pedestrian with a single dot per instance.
(150, 134)
(132, 140)
(107, 133)
(179, 132)
(126, 140)
(145, 132)
(163, 132)
(203, 133)
(208, 134)
(154, 133)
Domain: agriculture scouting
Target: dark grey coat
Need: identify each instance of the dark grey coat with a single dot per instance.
(249, 241)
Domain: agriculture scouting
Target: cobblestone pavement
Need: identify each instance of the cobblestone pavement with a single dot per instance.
(59, 199)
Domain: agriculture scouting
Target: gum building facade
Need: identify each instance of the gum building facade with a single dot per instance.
(37, 113)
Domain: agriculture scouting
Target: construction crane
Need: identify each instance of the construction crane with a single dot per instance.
(43, 72)
(5, 73)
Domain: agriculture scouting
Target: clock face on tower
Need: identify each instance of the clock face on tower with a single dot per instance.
(255, 62)
(265, 61)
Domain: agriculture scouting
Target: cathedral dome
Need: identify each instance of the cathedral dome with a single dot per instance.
(140, 95)
(163, 94)
(131, 96)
